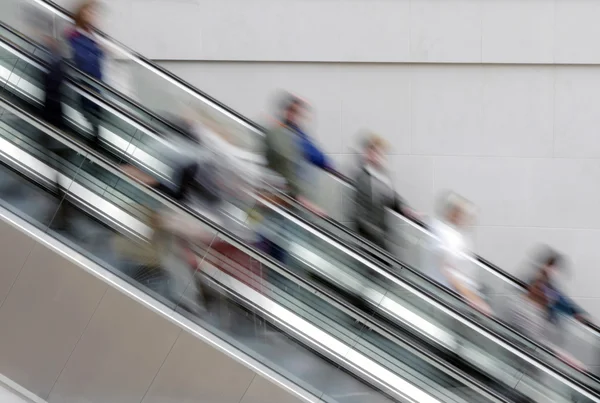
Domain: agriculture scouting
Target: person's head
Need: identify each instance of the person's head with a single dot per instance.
(550, 263)
(456, 210)
(85, 15)
(293, 110)
(374, 151)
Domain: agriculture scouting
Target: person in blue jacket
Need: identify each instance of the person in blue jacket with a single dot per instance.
(88, 56)
(311, 152)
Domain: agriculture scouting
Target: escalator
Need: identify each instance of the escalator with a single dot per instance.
(408, 309)
(325, 348)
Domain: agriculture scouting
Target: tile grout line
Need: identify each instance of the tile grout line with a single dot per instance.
(78, 341)
(248, 388)
(161, 365)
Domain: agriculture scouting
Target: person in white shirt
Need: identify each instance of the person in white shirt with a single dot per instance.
(452, 248)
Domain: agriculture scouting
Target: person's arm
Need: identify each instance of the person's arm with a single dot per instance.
(313, 154)
(471, 296)
(568, 307)
(363, 204)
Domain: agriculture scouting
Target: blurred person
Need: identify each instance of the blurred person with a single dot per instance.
(374, 193)
(54, 114)
(142, 261)
(207, 178)
(529, 315)
(549, 264)
(453, 246)
(310, 152)
(285, 156)
(88, 56)
(285, 149)
(53, 84)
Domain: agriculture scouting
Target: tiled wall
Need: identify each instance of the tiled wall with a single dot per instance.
(497, 99)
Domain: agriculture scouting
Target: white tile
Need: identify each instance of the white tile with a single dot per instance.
(118, 355)
(446, 110)
(518, 109)
(164, 31)
(518, 31)
(445, 31)
(413, 179)
(581, 249)
(291, 30)
(577, 121)
(43, 316)
(373, 31)
(376, 98)
(564, 193)
(513, 248)
(499, 187)
(194, 372)
(253, 90)
(270, 30)
(576, 30)
(347, 164)
(244, 87)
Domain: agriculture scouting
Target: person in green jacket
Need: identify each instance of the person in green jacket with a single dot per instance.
(284, 155)
(284, 150)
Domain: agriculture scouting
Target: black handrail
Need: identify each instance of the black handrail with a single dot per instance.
(161, 69)
(238, 242)
(66, 14)
(96, 83)
(383, 328)
(393, 259)
(386, 254)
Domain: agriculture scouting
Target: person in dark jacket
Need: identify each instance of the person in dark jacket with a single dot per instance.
(53, 113)
(88, 56)
(53, 82)
(374, 193)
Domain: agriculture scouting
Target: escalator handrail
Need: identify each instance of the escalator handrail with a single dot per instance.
(140, 59)
(110, 166)
(34, 59)
(93, 95)
(365, 318)
(96, 83)
(260, 130)
(236, 241)
(393, 259)
(320, 230)
(53, 7)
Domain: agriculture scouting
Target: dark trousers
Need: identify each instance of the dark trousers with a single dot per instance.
(273, 250)
(93, 114)
(53, 114)
(184, 182)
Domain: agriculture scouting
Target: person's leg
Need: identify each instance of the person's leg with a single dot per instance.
(183, 178)
(91, 113)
